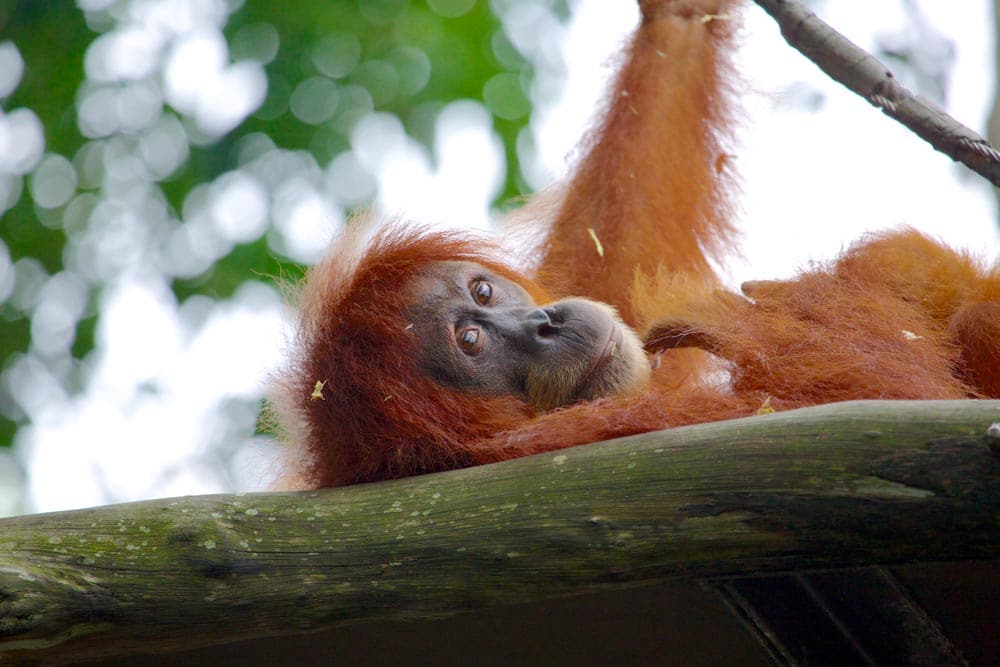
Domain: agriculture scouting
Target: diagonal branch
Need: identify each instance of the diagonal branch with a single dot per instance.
(864, 74)
(859, 483)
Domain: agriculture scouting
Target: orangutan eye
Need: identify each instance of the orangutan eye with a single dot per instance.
(469, 340)
(482, 292)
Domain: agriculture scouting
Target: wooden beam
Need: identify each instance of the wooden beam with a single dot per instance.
(847, 484)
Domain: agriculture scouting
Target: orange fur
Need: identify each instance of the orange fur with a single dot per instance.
(654, 183)
(898, 316)
(376, 415)
(975, 327)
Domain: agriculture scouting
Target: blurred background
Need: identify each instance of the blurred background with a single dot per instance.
(167, 165)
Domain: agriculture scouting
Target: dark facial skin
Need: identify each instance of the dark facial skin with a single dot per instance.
(482, 333)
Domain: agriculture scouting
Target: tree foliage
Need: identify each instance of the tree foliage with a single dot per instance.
(132, 163)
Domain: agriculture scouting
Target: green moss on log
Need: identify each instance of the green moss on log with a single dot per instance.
(845, 484)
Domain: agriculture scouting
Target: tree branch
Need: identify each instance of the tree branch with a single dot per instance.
(836, 485)
(862, 73)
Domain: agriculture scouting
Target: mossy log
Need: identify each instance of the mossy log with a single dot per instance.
(836, 485)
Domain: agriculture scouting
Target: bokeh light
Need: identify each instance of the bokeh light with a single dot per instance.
(11, 68)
